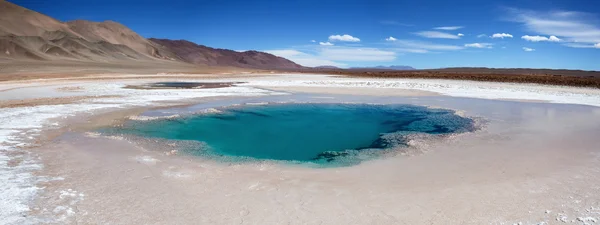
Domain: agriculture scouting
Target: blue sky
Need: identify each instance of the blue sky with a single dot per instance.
(426, 33)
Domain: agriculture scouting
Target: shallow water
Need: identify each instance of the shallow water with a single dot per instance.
(302, 132)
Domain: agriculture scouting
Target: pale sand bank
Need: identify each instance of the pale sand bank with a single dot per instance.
(512, 166)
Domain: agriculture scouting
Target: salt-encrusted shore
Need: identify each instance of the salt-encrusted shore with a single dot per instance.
(20, 126)
(22, 171)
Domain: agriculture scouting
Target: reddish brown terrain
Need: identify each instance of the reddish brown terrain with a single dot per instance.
(202, 55)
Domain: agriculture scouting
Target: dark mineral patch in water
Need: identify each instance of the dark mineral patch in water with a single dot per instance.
(320, 133)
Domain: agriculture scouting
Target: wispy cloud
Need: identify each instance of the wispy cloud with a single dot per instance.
(344, 37)
(304, 58)
(333, 55)
(313, 41)
(411, 50)
(460, 34)
(481, 35)
(448, 28)
(528, 49)
(326, 43)
(391, 39)
(347, 54)
(423, 47)
(284, 52)
(538, 38)
(581, 45)
(479, 45)
(572, 26)
(501, 35)
(437, 34)
(395, 23)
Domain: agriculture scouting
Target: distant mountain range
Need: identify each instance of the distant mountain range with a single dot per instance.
(326, 67)
(29, 35)
(385, 68)
(368, 68)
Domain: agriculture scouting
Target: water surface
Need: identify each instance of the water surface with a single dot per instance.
(323, 132)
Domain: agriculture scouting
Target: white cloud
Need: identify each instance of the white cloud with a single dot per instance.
(326, 43)
(541, 38)
(479, 45)
(554, 39)
(460, 34)
(422, 47)
(344, 37)
(481, 36)
(528, 49)
(597, 45)
(313, 41)
(391, 39)
(501, 35)
(437, 34)
(576, 27)
(448, 28)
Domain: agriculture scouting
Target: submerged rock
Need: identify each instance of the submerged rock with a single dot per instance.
(330, 155)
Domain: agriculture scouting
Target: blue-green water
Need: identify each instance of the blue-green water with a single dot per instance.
(301, 132)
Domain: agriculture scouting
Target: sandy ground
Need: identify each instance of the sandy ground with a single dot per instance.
(533, 163)
(31, 70)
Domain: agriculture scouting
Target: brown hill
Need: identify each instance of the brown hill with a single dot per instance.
(199, 54)
(20, 21)
(28, 35)
(115, 33)
(25, 34)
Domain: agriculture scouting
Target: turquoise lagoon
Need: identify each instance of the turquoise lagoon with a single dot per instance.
(306, 132)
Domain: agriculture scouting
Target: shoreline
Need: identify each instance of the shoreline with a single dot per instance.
(96, 110)
(175, 170)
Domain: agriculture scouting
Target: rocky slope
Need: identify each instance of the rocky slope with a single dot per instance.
(200, 54)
